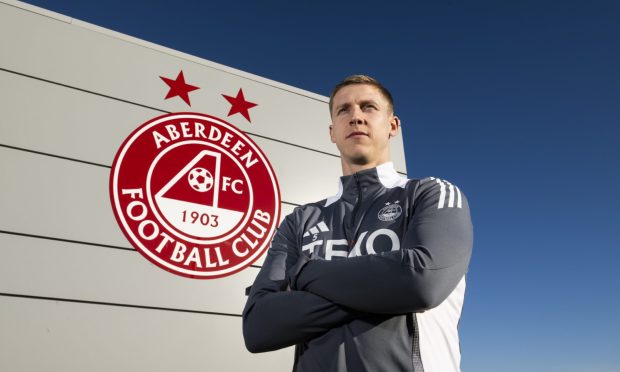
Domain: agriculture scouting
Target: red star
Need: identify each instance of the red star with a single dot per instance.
(179, 88)
(239, 105)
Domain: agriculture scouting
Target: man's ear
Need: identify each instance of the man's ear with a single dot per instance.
(394, 125)
(331, 133)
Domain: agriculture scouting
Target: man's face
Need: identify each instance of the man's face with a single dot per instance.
(362, 124)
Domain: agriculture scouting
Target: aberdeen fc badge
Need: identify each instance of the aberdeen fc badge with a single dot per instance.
(194, 195)
(390, 212)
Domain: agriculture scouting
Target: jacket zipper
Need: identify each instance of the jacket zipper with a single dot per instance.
(354, 224)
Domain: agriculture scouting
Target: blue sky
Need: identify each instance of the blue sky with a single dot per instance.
(517, 102)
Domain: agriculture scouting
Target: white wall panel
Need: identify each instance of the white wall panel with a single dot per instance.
(55, 197)
(48, 268)
(57, 336)
(63, 121)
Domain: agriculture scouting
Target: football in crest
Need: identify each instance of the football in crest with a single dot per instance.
(200, 179)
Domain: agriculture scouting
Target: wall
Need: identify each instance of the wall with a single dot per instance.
(74, 294)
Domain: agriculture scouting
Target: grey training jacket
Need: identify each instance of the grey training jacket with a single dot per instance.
(371, 279)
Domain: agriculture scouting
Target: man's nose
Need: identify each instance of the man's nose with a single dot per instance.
(356, 117)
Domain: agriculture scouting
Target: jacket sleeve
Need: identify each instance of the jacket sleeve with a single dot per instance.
(273, 317)
(434, 256)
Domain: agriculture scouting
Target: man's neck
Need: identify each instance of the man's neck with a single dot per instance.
(348, 169)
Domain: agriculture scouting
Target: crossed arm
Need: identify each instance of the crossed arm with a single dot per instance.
(433, 258)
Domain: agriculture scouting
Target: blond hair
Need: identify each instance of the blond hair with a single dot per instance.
(361, 79)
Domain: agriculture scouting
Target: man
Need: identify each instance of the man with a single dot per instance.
(373, 278)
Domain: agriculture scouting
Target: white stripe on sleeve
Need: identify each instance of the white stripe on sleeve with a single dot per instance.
(442, 194)
(451, 199)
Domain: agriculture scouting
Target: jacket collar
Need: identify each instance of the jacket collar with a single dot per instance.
(367, 182)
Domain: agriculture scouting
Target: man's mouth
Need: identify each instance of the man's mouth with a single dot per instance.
(357, 134)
